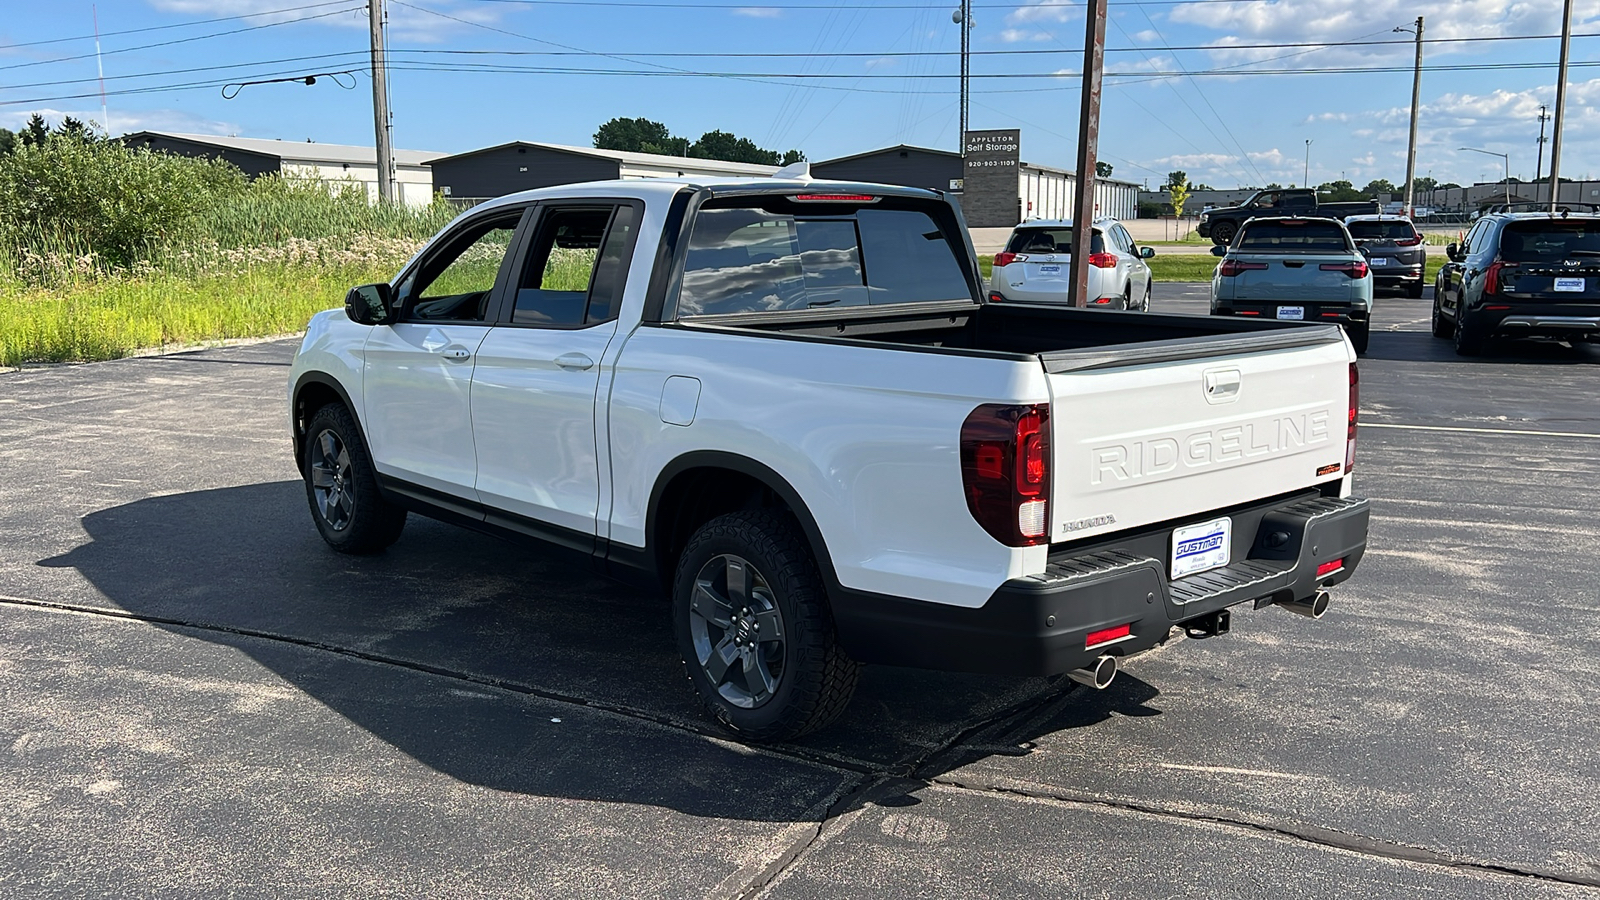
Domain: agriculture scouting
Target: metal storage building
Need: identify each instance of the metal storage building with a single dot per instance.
(525, 165)
(306, 159)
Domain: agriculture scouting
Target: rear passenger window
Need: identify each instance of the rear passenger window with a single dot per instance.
(575, 267)
(1050, 240)
(760, 260)
(1295, 236)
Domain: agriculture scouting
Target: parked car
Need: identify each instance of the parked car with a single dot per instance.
(1036, 266)
(1521, 275)
(788, 405)
(1295, 269)
(1396, 252)
(1221, 225)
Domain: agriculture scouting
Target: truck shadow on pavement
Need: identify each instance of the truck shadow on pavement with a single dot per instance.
(1420, 346)
(594, 702)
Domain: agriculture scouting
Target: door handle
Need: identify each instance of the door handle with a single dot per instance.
(574, 361)
(457, 353)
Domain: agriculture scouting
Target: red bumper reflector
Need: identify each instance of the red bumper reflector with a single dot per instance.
(1107, 635)
(1329, 567)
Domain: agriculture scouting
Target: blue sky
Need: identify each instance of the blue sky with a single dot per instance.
(1223, 129)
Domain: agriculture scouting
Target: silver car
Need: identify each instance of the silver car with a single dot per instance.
(1297, 269)
(1036, 266)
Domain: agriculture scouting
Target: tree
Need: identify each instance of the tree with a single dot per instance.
(1102, 169)
(731, 148)
(633, 135)
(35, 133)
(790, 157)
(72, 128)
(8, 142)
(1178, 189)
(1274, 186)
(1339, 192)
(1423, 184)
(1380, 186)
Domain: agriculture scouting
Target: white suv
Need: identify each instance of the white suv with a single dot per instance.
(1036, 266)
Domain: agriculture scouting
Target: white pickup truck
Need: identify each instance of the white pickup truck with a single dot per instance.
(788, 404)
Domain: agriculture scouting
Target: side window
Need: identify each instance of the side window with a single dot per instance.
(575, 267)
(1471, 240)
(454, 284)
(1124, 240)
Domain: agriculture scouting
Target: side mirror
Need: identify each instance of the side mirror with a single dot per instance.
(1219, 250)
(369, 304)
(1147, 253)
(1452, 251)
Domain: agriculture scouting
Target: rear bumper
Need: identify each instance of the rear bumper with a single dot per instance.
(1039, 625)
(1389, 276)
(1324, 313)
(1578, 320)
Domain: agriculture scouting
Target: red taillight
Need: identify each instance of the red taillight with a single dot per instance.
(1103, 260)
(1353, 269)
(1329, 567)
(1106, 635)
(1491, 276)
(834, 198)
(995, 297)
(1350, 434)
(1232, 267)
(1409, 242)
(1006, 259)
(1005, 471)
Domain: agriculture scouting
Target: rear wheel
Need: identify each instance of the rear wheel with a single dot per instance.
(1145, 306)
(1469, 339)
(754, 629)
(1222, 233)
(1358, 332)
(1414, 291)
(342, 487)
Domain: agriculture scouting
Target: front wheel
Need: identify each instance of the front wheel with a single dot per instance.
(1146, 306)
(342, 486)
(1441, 326)
(753, 626)
(1222, 235)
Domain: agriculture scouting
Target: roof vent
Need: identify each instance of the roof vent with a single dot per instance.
(800, 171)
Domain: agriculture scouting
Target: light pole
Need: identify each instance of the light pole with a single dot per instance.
(1504, 156)
(1305, 178)
(963, 18)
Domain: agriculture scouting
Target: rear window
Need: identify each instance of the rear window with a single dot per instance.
(1378, 231)
(747, 259)
(1298, 236)
(1050, 240)
(1549, 241)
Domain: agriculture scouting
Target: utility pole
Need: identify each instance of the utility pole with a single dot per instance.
(1561, 103)
(1094, 59)
(1416, 108)
(1538, 176)
(380, 106)
(1306, 177)
(963, 18)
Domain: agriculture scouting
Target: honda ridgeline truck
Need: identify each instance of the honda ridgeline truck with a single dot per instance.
(788, 404)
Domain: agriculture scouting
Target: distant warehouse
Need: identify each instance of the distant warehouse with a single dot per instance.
(304, 159)
(1041, 192)
(525, 165)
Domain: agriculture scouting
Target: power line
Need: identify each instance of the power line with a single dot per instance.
(731, 7)
(197, 37)
(190, 24)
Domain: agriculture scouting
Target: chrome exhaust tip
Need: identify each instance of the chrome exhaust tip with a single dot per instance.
(1099, 675)
(1312, 608)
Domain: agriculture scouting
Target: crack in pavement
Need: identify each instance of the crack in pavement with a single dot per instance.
(1309, 834)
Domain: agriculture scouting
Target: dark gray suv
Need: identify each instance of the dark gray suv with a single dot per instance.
(1521, 275)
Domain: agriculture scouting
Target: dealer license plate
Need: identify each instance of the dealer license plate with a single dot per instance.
(1196, 548)
(1291, 312)
(1380, 260)
(1569, 284)
(1049, 270)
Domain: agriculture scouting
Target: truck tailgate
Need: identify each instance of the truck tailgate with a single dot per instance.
(1172, 429)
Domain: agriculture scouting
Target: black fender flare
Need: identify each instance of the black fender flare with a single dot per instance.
(326, 380)
(762, 473)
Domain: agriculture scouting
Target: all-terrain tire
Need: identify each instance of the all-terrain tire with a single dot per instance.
(342, 487)
(784, 687)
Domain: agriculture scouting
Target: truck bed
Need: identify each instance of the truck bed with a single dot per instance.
(1063, 338)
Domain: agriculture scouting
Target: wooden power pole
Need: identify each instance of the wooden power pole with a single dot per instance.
(380, 107)
(1094, 57)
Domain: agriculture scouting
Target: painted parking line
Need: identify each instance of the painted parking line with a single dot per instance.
(1457, 428)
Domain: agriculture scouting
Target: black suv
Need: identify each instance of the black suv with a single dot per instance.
(1521, 275)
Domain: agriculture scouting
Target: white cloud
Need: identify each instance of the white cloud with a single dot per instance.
(124, 122)
(1042, 11)
(758, 12)
(406, 24)
(1014, 35)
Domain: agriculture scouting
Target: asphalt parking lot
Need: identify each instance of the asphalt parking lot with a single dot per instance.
(198, 698)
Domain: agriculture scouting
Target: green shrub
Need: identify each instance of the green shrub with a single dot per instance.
(113, 201)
